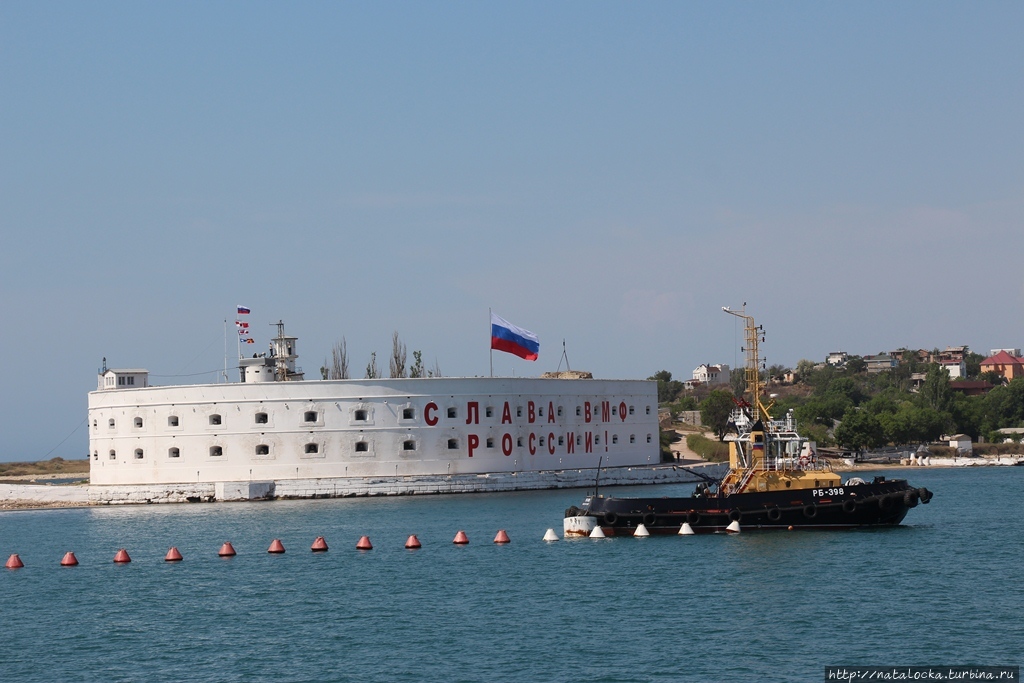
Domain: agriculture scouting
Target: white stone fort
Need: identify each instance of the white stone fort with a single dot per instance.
(276, 434)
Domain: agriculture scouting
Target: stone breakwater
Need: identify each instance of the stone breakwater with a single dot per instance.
(394, 486)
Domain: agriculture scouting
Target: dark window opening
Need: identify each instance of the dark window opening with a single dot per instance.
(262, 449)
(312, 448)
(453, 444)
(409, 445)
(216, 451)
(408, 414)
(173, 453)
(362, 446)
(215, 419)
(261, 418)
(310, 416)
(172, 421)
(361, 415)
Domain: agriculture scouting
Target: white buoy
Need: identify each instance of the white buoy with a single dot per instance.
(550, 535)
(598, 532)
(641, 531)
(733, 528)
(686, 530)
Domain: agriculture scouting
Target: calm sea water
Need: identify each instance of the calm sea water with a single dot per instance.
(944, 588)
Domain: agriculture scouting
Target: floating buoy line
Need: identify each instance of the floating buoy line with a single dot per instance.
(319, 545)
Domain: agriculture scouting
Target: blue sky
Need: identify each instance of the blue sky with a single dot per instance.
(611, 174)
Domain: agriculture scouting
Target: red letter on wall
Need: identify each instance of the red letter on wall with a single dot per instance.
(531, 444)
(531, 412)
(551, 444)
(427, 417)
(622, 411)
(506, 444)
(551, 412)
(474, 442)
(586, 411)
(606, 411)
(506, 416)
(473, 412)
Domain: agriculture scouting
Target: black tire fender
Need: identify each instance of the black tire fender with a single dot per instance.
(810, 511)
(735, 515)
(774, 514)
(884, 502)
(849, 506)
(649, 519)
(610, 518)
(692, 517)
(910, 498)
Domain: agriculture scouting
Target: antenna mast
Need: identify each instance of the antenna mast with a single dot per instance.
(752, 372)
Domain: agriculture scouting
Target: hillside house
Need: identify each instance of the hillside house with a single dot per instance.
(1010, 367)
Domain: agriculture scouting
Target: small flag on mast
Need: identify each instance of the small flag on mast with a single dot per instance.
(242, 310)
(511, 339)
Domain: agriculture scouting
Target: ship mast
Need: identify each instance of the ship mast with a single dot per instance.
(752, 371)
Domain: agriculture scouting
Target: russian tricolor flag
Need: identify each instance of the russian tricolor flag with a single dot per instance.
(242, 310)
(511, 339)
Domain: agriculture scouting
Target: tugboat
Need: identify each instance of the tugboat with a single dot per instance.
(775, 481)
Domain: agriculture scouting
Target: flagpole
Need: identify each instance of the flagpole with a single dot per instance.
(490, 344)
(225, 350)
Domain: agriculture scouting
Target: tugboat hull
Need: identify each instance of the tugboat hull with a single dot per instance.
(883, 503)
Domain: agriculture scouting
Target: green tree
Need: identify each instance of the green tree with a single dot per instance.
(715, 411)
(859, 430)
(856, 365)
(417, 364)
(936, 392)
(668, 388)
(973, 363)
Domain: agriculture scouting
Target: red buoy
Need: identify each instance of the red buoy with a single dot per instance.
(276, 547)
(14, 562)
(227, 550)
(69, 560)
(461, 538)
(502, 537)
(364, 543)
(122, 557)
(172, 555)
(412, 543)
(319, 545)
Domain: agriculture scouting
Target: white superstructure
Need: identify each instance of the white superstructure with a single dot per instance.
(274, 426)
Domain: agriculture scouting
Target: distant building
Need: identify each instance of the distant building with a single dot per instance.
(956, 369)
(837, 359)
(954, 354)
(879, 363)
(916, 380)
(1013, 352)
(711, 374)
(1006, 365)
(961, 442)
(971, 388)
